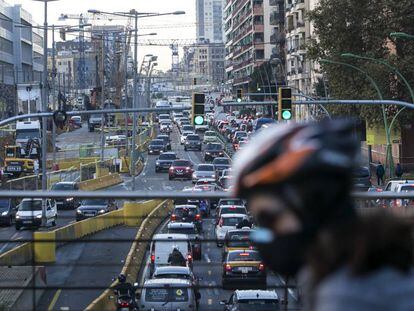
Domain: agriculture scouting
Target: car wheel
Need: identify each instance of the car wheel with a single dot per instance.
(18, 227)
(54, 222)
(185, 148)
(10, 222)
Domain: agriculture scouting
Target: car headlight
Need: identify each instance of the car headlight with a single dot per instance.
(101, 211)
(38, 216)
(69, 199)
(17, 216)
(4, 213)
(78, 212)
(208, 153)
(157, 163)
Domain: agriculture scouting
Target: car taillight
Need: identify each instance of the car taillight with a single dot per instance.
(227, 267)
(220, 223)
(124, 304)
(152, 258)
(197, 217)
(173, 217)
(261, 267)
(189, 257)
(188, 168)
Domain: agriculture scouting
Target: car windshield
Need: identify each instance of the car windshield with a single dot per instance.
(258, 304)
(94, 202)
(208, 168)
(231, 202)
(243, 256)
(167, 156)
(182, 230)
(59, 186)
(241, 134)
(27, 134)
(210, 134)
(221, 161)
(181, 163)
(238, 239)
(4, 204)
(166, 294)
(180, 211)
(31, 205)
(193, 137)
(231, 221)
(188, 128)
(214, 147)
(157, 142)
(96, 116)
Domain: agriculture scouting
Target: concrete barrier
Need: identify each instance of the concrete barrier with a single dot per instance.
(135, 258)
(17, 256)
(101, 182)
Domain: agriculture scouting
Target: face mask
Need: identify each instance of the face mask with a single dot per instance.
(283, 254)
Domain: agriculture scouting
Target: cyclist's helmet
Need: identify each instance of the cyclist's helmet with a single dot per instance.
(121, 278)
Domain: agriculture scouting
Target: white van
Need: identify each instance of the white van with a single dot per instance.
(168, 294)
(162, 246)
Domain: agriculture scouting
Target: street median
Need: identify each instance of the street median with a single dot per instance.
(135, 258)
(100, 182)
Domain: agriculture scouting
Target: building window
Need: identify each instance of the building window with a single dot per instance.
(6, 22)
(6, 46)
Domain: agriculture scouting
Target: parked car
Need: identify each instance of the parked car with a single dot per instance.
(180, 169)
(362, 178)
(66, 203)
(164, 161)
(29, 213)
(8, 210)
(94, 207)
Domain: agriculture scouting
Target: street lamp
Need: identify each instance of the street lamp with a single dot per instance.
(401, 35)
(134, 14)
(386, 64)
(389, 159)
(44, 108)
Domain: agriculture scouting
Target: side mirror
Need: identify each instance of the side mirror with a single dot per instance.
(223, 302)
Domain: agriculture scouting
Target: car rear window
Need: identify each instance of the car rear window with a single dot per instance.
(63, 186)
(233, 210)
(180, 211)
(171, 276)
(238, 239)
(243, 256)
(193, 137)
(221, 161)
(171, 294)
(231, 221)
(157, 142)
(258, 304)
(182, 230)
(231, 202)
(205, 168)
(181, 163)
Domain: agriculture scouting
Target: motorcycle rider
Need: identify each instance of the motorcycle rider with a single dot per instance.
(176, 258)
(124, 288)
(297, 180)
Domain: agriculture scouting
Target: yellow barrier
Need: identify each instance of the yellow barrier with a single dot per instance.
(101, 182)
(44, 252)
(17, 256)
(135, 256)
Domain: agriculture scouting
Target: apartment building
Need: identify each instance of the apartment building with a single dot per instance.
(300, 70)
(254, 34)
(209, 19)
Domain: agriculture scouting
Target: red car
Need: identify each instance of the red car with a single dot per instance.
(181, 169)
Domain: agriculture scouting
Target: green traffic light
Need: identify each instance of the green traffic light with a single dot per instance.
(286, 115)
(199, 120)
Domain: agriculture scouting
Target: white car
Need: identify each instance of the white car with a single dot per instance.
(29, 213)
(165, 127)
(184, 136)
(177, 115)
(227, 222)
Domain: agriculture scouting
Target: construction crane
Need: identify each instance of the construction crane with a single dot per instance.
(83, 20)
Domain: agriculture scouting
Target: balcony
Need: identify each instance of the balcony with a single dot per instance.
(300, 24)
(241, 80)
(258, 10)
(276, 18)
(243, 33)
(258, 28)
(275, 2)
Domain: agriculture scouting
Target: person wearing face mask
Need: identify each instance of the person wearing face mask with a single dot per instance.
(297, 180)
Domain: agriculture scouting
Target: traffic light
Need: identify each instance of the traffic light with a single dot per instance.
(239, 95)
(194, 81)
(62, 33)
(198, 108)
(285, 103)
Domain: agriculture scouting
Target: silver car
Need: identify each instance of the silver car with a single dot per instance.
(204, 171)
(168, 294)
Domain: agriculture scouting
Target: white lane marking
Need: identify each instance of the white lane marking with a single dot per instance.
(215, 289)
(210, 301)
(209, 272)
(15, 236)
(207, 258)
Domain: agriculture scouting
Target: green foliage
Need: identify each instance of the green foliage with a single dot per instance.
(363, 28)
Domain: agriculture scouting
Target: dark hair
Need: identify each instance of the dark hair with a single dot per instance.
(365, 245)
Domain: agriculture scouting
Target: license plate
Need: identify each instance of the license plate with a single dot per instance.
(180, 173)
(245, 269)
(14, 168)
(27, 221)
(89, 214)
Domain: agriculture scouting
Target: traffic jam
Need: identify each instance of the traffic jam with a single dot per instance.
(179, 250)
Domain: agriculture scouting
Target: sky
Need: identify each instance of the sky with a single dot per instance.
(166, 27)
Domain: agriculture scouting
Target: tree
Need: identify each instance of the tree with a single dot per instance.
(363, 27)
